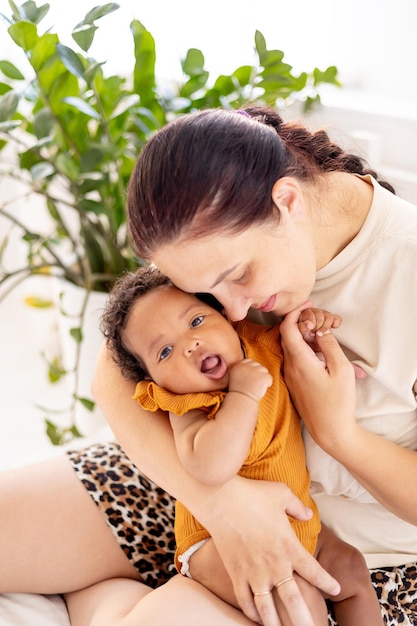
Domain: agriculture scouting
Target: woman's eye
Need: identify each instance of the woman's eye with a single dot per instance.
(242, 277)
(197, 321)
(165, 353)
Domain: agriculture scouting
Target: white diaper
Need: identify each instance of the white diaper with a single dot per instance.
(186, 556)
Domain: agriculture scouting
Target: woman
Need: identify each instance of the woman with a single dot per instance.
(261, 214)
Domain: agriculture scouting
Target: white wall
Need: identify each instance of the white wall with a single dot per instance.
(372, 42)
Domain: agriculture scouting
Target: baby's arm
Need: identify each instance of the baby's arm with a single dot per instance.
(213, 450)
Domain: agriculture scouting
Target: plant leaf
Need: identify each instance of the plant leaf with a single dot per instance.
(86, 402)
(193, 64)
(100, 11)
(86, 205)
(4, 88)
(76, 334)
(57, 435)
(43, 51)
(260, 43)
(91, 71)
(71, 60)
(11, 71)
(43, 123)
(243, 74)
(9, 125)
(82, 106)
(75, 432)
(38, 303)
(328, 76)
(56, 370)
(125, 104)
(24, 34)
(8, 105)
(65, 165)
(84, 36)
(34, 13)
(145, 57)
(42, 170)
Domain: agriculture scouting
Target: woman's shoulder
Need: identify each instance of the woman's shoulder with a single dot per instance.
(400, 214)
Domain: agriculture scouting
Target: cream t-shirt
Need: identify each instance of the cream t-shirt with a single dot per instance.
(372, 283)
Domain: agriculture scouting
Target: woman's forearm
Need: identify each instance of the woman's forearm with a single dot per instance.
(388, 471)
(326, 400)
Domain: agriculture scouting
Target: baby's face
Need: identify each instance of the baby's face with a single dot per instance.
(186, 345)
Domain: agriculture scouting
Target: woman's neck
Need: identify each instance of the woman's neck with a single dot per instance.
(345, 203)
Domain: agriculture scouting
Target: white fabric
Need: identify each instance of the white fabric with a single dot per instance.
(26, 609)
(186, 556)
(372, 283)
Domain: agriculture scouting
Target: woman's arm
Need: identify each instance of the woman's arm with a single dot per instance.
(255, 540)
(325, 398)
(213, 450)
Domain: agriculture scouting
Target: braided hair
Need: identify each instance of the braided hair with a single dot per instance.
(213, 171)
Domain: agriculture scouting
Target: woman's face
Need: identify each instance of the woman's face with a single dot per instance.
(270, 268)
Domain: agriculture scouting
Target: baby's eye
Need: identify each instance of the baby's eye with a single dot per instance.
(197, 321)
(165, 353)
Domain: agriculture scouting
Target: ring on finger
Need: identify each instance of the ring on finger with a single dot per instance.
(261, 593)
(283, 581)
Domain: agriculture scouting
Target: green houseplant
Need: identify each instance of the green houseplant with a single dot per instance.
(72, 134)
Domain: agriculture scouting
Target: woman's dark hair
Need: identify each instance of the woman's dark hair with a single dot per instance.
(214, 170)
(126, 290)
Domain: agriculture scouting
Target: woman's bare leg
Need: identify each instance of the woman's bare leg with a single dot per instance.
(53, 538)
(122, 602)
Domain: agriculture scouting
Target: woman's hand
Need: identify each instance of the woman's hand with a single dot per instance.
(325, 398)
(323, 392)
(260, 549)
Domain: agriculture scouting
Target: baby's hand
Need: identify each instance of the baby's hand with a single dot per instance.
(250, 378)
(317, 321)
(312, 322)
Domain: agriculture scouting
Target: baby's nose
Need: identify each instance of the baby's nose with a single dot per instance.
(193, 345)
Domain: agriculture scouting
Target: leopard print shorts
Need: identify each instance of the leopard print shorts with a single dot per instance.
(396, 588)
(139, 513)
(141, 517)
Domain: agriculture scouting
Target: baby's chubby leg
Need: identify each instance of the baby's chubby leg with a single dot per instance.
(357, 602)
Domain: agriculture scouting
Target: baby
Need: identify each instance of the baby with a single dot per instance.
(230, 412)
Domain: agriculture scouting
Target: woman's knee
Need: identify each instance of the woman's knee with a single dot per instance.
(107, 603)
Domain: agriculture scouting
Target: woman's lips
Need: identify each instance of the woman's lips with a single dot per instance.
(268, 305)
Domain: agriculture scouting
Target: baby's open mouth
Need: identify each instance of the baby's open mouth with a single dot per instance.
(213, 366)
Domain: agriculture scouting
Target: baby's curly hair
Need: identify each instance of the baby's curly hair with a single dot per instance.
(125, 292)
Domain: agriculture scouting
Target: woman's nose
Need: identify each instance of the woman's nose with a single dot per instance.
(236, 308)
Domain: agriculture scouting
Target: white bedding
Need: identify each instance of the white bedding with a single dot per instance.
(26, 609)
